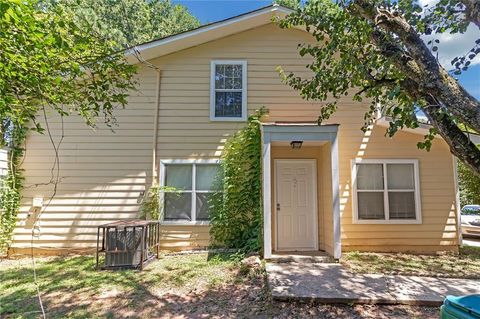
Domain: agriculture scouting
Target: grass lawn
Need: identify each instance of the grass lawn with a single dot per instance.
(464, 265)
(182, 286)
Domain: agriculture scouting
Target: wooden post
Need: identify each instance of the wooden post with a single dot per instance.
(98, 242)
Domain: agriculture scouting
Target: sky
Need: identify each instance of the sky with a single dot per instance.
(450, 45)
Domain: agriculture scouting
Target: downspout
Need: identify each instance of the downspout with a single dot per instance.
(155, 131)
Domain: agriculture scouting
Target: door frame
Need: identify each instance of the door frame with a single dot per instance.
(315, 202)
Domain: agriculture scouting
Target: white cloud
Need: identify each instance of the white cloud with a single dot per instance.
(453, 45)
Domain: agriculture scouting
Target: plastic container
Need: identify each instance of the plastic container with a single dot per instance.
(465, 307)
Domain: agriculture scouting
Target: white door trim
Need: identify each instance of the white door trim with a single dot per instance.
(315, 200)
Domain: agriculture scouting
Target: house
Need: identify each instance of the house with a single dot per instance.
(342, 190)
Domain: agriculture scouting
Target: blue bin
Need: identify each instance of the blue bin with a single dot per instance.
(466, 307)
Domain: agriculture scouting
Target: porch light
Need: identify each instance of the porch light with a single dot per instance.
(296, 145)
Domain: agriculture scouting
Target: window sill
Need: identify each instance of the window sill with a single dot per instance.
(184, 223)
(228, 119)
(387, 222)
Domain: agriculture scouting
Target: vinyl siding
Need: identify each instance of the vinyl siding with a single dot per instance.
(104, 173)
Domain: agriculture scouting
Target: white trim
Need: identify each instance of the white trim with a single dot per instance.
(193, 191)
(267, 195)
(243, 63)
(313, 162)
(304, 132)
(457, 200)
(337, 235)
(387, 220)
(185, 223)
(190, 161)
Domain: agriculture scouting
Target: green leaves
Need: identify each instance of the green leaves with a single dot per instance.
(356, 55)
(469, 185)
(129, 22)
(51, 62)
(236, 218)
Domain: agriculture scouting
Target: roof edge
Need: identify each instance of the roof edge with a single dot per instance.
(146, 47)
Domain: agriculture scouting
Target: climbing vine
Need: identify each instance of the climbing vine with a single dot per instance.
(152, 206)
(11, 184)
(236, 211)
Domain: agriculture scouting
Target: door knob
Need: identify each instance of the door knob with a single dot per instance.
(278, 206)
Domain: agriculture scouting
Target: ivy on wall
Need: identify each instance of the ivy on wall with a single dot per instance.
(11, 185)
(152, 206)
(236, 211)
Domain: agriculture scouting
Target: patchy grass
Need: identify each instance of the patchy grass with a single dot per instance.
(466, 264)
(184, 286)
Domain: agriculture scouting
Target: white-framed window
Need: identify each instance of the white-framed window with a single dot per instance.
(386, 191)
(192, 183)
(228, 90)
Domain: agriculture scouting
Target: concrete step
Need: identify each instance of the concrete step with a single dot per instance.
(282, 259)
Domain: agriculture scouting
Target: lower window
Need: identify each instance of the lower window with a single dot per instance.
(191, 186)
(386, 191)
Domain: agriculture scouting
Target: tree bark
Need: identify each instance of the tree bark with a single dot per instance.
(431, 76)
(472, 11)
(427, 80)
(460, 145)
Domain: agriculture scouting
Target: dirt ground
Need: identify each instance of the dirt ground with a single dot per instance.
(190, 286)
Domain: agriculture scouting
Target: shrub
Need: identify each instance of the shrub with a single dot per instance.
(469, 184)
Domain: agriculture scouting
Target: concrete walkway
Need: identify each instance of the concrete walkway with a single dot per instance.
(333, 283)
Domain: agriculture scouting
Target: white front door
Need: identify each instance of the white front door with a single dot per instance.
(296, 205)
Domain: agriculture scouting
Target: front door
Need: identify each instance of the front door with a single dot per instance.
(296, 205)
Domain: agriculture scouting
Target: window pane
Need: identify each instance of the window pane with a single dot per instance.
(228, 104)
(400, 176)
(219, 76)
(179, 176)
(370, 176)
(203, 206)
(228, 76)
(229, 71)
(207, 177)
(401, 205)
(178, 206)
(370, 205)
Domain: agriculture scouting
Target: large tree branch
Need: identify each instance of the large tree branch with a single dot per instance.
(459, 144)
(430, 76)
(472, 11)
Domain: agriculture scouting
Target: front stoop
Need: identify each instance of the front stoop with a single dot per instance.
(317, 258)
(332, 283)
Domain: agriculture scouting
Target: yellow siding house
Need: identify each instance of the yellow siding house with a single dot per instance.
(335, 189)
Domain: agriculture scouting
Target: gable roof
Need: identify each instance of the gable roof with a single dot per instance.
(205, 33)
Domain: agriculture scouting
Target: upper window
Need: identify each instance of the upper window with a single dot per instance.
(192, 186)
(386, 191)
(228, 91)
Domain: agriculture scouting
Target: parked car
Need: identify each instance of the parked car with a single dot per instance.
(470, 218)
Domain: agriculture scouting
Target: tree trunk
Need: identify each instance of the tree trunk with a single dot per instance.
(430, 75)
(472, 11)
(460, 145)
(427, 80)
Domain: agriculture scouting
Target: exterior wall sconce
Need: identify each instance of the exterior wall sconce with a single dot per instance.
(296, 145)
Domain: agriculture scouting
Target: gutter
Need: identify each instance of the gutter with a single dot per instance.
(155, 130)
